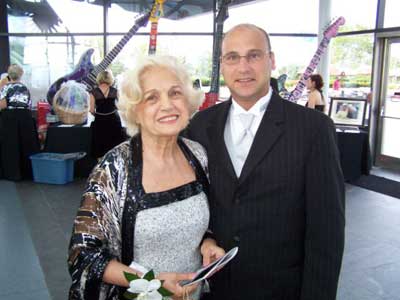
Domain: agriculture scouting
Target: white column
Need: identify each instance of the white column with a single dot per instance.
(323, 21)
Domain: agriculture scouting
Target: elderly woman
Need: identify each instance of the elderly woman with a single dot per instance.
(106, 127)
(18, 132)
(146, 201)
(14, 94)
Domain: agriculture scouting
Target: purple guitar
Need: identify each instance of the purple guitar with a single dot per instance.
(85, 72)
(330, 32)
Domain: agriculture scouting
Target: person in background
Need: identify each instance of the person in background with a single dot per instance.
(315, 96)
(343, 111)
(4, 79)
(146, 200)
(369, 98)
(276, 185)
(106, 128)
(19, 135)
(336, 84)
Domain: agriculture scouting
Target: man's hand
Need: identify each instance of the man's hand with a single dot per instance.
(210, 251)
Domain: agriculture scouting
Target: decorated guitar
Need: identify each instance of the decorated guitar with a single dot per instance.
(156, 13)
(85, 72)
(212, 95)
(281, 80)
(329, 33)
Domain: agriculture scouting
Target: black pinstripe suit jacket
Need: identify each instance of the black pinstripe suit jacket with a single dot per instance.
(285, 212)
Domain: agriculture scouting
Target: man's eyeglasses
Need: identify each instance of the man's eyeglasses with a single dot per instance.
(253, 56)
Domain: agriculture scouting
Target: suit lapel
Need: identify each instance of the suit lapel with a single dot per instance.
(216, 135)
(267, 135)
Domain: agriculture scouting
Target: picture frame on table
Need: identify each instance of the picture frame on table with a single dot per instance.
(348, 112)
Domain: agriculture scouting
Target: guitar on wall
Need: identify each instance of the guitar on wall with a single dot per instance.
(212, 95)
(85, 72)
(329, 33)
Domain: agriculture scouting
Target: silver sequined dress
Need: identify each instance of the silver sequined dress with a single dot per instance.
(167, 238)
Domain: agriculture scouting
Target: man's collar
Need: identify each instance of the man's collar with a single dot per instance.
(257, 109)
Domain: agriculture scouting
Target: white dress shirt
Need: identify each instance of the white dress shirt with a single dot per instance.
(235, 130)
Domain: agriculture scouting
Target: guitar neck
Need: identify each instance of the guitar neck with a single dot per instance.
(117, 48)
(298, 90)
(153, 38)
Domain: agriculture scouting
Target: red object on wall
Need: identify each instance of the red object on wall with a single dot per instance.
(43, 108)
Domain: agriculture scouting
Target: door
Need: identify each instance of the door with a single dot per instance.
(388, 150)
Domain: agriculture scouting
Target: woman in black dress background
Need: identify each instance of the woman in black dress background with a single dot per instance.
(18, 134)
(106, 127)
(315, 97)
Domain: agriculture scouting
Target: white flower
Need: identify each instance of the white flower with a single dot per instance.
(147, 290)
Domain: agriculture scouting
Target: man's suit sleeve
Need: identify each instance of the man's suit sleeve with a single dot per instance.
(194, 131)
(190, 131)
(325, 215)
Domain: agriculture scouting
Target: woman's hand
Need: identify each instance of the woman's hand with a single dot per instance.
(210, 251)
(172, 283)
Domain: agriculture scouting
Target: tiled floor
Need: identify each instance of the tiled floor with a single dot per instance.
(36, 220)
(21, 275)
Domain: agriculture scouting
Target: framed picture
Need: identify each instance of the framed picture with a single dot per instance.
(348, 111)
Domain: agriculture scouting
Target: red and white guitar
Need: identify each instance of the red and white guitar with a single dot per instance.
(212, 95)
(329, 33)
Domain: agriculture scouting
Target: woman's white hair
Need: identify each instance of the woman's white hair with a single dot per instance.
(131, 94)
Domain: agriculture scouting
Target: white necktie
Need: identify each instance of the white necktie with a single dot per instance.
(244, 142)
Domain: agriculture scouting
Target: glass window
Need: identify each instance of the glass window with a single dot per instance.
(293, 66)
(56, 56)
(46, 59)
(359, 14)
(22, 24)
(129, 53)
(278, 16)
(54, 16)
(194, 51)
(122, 18)
(392, 8)
(351, 63)
(261, 13)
